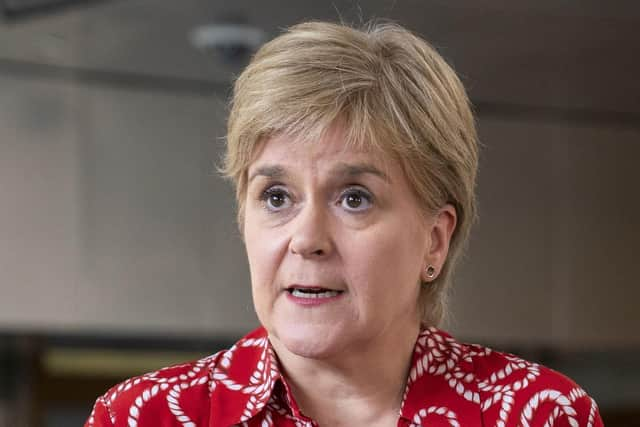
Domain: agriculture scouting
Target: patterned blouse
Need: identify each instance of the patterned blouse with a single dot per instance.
(449, 384)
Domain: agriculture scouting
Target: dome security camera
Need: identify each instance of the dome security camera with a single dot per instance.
(232, 43)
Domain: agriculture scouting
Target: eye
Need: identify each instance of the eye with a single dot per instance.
(356, 200)
(275, 198)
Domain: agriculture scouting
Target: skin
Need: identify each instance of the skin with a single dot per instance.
(321, 214)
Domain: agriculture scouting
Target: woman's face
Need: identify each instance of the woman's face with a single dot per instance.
(337, 245)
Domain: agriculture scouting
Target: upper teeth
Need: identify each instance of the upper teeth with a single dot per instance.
(313, 294)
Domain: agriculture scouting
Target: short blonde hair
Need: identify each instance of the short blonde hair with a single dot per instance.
(393, 92)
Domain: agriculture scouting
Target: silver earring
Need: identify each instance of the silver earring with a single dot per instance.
(431, 272)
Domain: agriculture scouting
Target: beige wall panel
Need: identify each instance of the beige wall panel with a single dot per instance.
(552, 259)
(39, 238)
(504, 287)
(162, 253)
(113, 216)
(603, 230)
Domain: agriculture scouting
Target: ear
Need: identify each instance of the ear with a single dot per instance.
(440, 232)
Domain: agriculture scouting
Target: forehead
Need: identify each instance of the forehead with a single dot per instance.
(296, 152)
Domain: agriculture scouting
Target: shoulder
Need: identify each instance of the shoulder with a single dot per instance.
(527, 393)
(181, 394)
(157, 395)
(507, 389)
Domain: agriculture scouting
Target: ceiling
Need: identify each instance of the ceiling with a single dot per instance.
(566, 57)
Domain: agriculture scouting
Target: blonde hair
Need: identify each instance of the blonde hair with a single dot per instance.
(395, 95)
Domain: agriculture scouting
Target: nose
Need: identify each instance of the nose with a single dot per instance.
(311, 234)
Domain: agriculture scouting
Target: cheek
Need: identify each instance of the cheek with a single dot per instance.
(386, 259)
(262, 269)
(264, 252)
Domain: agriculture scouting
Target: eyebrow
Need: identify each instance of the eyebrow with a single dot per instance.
(354, 170)
(345, 170)
(273, 172)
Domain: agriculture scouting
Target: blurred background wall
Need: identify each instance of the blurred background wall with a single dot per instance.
(118, 247)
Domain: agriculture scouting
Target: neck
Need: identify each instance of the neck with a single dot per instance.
(363, 385)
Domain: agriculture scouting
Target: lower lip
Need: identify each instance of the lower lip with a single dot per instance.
(313, 301)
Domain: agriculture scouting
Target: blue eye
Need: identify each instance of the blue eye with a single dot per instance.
(355, 200)
(275, 199)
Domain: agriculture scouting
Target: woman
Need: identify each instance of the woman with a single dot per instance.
(354, 155)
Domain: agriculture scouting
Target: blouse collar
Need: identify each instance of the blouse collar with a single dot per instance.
(248, 377)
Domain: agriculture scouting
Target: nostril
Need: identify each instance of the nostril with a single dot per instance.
(311, 252)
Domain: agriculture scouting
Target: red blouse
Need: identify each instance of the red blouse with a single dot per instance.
(449, 384)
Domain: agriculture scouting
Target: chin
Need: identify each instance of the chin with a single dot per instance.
(314, 341)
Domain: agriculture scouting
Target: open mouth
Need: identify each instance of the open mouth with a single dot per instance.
(302, 292)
